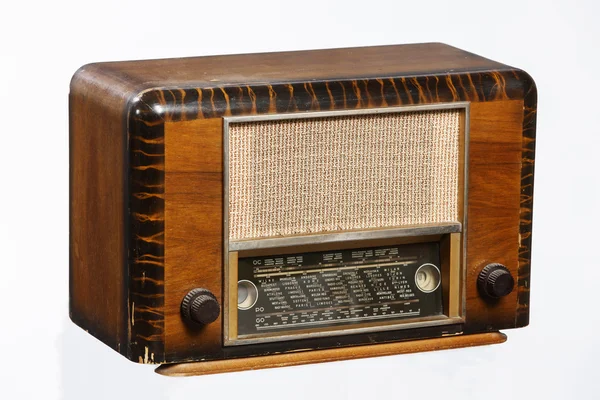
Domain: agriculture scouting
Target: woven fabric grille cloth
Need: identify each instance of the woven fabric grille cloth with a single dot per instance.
(300, 176)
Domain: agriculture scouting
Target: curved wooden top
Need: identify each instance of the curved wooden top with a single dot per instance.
(298, 66)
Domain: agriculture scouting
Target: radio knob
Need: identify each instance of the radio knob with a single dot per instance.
(495, 281)
(200, 306)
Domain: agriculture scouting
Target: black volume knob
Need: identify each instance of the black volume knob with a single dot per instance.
(200, 306)
(495, 281)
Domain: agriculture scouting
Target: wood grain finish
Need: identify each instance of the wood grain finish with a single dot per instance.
(146, 233)
(321, 356)
(526, 211)
(409, 60)
(98, 293)
(171, 127)
(493, 207)
(194, 229)
(492, 234)
(216, 102)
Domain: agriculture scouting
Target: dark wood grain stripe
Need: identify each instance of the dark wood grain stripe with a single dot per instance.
(221, 101)
(146, 220)
(526, 214)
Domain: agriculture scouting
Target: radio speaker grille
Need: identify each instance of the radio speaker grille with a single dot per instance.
(301, 176)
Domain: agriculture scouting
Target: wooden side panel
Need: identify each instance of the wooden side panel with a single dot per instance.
(494, 206)
(194, 229)
(526, 222)
(97, 206)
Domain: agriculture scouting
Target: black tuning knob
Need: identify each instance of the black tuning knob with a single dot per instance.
(495, 281)
(200, 306)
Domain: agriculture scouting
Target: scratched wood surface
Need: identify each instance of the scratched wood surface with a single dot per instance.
(146, 237)
(167, 92)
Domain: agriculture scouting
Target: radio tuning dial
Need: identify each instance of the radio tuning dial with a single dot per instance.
(200, 306)
(495, 281)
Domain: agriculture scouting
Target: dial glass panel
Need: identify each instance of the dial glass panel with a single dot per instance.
(326, 289)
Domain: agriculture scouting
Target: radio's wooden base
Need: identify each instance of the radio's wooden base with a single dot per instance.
(318, 356)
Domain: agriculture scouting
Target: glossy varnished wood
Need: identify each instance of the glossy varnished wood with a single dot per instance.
(170, 113)
(321, 356)
(493, 207)
(301, 66)
(145, 232)
(492, 234)
(526, 201)
(98, 293)
(194, 229)
(116, 216)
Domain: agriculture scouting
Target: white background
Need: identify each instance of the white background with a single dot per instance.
(42, 43)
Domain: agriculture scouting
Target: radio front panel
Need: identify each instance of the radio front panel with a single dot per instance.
(282, 176)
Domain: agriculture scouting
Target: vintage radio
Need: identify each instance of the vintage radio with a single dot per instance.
(259, 210)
